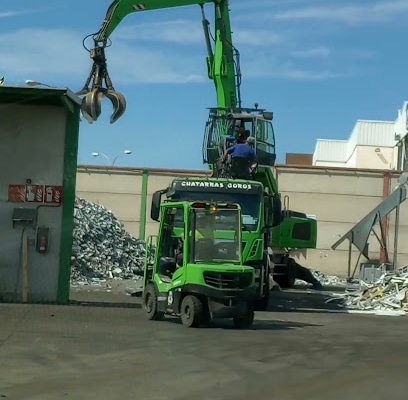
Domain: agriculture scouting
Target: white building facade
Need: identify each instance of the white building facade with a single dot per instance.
(372, 145)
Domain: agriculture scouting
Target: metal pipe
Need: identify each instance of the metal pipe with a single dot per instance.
(206, 33)
(142, 219)
(395, 256)
(384, 225)
(24, 267)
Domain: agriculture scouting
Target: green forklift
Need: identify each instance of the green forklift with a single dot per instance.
(197, 272)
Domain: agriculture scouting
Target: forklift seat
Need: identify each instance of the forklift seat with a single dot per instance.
(166, 268)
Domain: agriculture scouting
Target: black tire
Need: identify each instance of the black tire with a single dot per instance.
(285, 281)
(246, 321)
(192, 312)
(287, 276)
(262, 303)
(150, 303)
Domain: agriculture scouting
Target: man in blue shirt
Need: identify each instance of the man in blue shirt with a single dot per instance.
(241, 149)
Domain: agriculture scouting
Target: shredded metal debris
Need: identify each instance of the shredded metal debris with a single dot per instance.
(386, 296)
(325, 280)
(102, 249)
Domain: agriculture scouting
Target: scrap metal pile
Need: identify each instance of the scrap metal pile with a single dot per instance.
(386, 296)
(325, 280)
(102, 248)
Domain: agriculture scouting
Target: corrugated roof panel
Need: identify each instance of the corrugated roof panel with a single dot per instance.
(375, 133)
(36, 95)
(330, 150)
(364, 133)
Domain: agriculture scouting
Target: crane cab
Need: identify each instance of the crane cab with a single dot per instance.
(222, 125)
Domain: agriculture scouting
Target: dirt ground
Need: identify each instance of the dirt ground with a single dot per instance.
(102, 347)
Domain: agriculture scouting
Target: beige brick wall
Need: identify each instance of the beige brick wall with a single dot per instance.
(120, 190)
(340, 198)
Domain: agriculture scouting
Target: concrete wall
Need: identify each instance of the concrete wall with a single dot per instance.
(335, 164)
(32, 148)
(368, 157)
(120, 190)
(338, 197)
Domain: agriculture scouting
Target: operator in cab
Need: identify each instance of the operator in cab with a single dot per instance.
(241, 149)
(204, 230)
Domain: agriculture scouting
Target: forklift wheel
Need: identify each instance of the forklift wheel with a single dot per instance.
(262, 303)
(150, 303)
(246, 321)
(192, 313)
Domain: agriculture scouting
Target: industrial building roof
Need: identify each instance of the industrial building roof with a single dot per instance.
(364, 133)
(37, 95)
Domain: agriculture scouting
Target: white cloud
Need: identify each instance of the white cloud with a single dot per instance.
(257, 37)
(141, 65)
(273, 69)
(362, 53)
(308, 75)
(180, 32)
(6, 14)
(314, 52)
(243, 6)
(282, 65)
(190, 32)
(39, 50)
(15, 13)
(374, 12)
(38, 54)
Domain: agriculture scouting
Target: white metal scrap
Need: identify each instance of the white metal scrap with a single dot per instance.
(387, 296)
(325, 280)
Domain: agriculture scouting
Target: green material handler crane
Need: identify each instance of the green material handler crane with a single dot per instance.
(270, 229)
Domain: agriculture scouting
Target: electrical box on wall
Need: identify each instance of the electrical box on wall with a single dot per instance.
(24, 217)
(42, 239)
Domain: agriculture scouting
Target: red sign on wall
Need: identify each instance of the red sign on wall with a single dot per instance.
(53, 194)
(16, 193)
(35, 194)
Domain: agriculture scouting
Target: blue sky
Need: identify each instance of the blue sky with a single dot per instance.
(318, 65)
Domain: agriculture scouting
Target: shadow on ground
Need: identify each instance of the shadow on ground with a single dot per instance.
(103, 304)
(301, 300)
(258, 325)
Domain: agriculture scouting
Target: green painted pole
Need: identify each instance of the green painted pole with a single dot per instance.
(142, 219)
(69, 187)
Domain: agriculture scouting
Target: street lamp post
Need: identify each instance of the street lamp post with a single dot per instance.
(97, 154)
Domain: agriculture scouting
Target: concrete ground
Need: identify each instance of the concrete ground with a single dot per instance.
(101, 347)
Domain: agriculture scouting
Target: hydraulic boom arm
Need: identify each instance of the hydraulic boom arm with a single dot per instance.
(222, 58)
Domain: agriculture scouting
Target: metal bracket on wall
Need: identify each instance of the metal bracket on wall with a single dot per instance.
(24, 216)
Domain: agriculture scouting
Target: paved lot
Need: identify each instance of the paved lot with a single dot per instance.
(86, 351)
